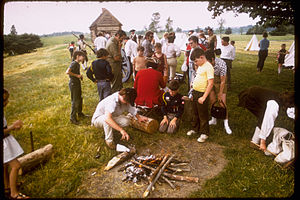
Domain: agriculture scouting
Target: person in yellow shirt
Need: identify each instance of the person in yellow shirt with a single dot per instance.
(202, 86)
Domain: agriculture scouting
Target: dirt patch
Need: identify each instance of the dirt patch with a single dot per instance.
(206, 161)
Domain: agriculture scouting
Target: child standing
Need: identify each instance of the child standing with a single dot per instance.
(172, 108)
(202, 86)
(11, 150)
(139, 62)
(100, 73)
(163, 65)
(75, 86)
(71, 48)
(281, 54)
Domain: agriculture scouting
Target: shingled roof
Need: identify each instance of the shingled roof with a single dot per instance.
(106, 19)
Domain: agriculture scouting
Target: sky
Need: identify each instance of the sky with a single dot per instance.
(49, 17)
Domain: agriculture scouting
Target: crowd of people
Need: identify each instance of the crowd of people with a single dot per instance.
(154, 65)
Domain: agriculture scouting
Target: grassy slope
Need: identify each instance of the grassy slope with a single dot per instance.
(40, 96)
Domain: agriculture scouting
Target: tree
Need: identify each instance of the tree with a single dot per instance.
(221, 23)
(169, 23)
(241, 30)
(270, 13)
(256, 30)
(13, 30)
(178, 30)
(228, 31)
(154, 22)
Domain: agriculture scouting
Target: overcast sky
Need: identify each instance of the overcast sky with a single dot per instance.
(48, 17)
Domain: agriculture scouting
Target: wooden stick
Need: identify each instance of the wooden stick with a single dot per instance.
(159, 167)
(169, 182)
(146, 193)
(171, 176)
(257, 145)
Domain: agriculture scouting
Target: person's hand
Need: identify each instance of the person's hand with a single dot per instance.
(262, 145)
(201, 100)
(125, 135)
(165, 120)
(173, 122)
(17, 125)
(80, 76)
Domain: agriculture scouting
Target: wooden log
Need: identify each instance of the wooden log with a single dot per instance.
(171, 176)
(149, 126)
(169, 182)
(31, 160)
(119, 159)
(161, 170)
(159, 167)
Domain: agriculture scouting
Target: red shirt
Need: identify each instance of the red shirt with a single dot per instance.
(147, 85)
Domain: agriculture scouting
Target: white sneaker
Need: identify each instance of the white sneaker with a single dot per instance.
(213, 121)
(190, 132)
(202, 138)
(228, 130)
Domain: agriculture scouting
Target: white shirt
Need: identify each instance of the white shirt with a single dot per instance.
(227, 52)
(112, 105)
(131, 49)
(100, 42)
(169, 49)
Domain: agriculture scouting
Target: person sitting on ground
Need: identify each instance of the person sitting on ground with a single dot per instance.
(139, 62)
(163, 65)
(265, 105)
(11, 150)
(109, 114)
(148, 83)
(75, 86)
(172, 108)
(219, 88)
(101, 74)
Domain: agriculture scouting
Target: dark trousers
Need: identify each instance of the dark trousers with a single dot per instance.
(200, 111)
(76, 99)
(228, 74)
(262, 55)
(104, 89)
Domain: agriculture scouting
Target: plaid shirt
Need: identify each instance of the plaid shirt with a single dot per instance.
(220, 67)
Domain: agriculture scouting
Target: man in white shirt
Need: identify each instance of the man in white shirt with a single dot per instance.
(109, 114)
(100, 41)
(228, 55)
(130, 48)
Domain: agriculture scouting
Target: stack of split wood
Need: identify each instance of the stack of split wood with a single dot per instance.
(156, 169)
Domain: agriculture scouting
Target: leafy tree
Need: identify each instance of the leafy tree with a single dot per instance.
(241, 30)
(228, 31)
(154, 22)
(13, 30)
(178, 30)
(256, 30)
(169, 23)
(221, 23)
(270, 13)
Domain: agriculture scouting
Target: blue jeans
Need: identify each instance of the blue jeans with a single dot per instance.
(104, 89)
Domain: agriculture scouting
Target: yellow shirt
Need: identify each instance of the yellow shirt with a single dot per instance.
(204, 72)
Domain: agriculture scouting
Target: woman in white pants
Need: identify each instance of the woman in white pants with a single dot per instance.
(265, 105)
(172, 52)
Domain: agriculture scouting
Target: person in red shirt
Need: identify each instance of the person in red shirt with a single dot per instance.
(148, 84)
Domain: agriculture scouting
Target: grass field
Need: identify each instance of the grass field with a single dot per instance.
(40, 97)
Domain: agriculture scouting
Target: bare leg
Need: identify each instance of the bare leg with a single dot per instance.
(13, 176)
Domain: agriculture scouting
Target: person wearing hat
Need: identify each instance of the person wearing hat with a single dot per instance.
(148, 83)
(109, 114)
(172, 108)
(133, 35)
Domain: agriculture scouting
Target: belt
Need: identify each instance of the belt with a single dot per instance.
(103, 80)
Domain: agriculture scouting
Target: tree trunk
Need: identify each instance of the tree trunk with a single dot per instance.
(31, 160)
(150, 126)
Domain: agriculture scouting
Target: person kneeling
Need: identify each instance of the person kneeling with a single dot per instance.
(172, 108)
(108, 114)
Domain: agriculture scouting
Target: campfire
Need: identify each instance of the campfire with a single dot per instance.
(156, 169)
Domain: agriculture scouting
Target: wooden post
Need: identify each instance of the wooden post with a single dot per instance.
(31, 160)
(150, 126)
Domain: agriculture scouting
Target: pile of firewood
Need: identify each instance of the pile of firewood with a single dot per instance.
(156, 169)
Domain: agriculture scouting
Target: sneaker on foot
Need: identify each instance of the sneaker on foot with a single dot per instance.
(190, 132)
(202, 138)
(212, 122)
(228, 130)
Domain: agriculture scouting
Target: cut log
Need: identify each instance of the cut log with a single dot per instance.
(149, 126)
(119, 159)
(31, 160)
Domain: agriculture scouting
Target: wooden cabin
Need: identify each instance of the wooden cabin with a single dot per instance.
(105, 22)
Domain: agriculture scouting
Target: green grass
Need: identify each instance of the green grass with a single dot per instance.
(40, 97)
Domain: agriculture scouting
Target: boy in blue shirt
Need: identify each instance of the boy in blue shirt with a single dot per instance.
(100, 73)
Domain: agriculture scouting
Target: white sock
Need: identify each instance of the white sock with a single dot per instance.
(213, 121)
(226, 126)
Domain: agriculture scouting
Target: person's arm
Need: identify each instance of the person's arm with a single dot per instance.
(207, 91)
(69, 72)
(89, 74)
(109, 120)
(15, 126)
(166, 68)
(222, 86)
(164, 110)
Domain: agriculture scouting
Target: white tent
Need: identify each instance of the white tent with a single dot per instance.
(156, 38)
(181, 40)
(289, 59)
(219, 42)
(253, 44)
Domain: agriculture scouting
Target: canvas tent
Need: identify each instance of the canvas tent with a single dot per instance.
(289, 59)
(181, 40)
(156, 38)
(219, 42)
(253, 44)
